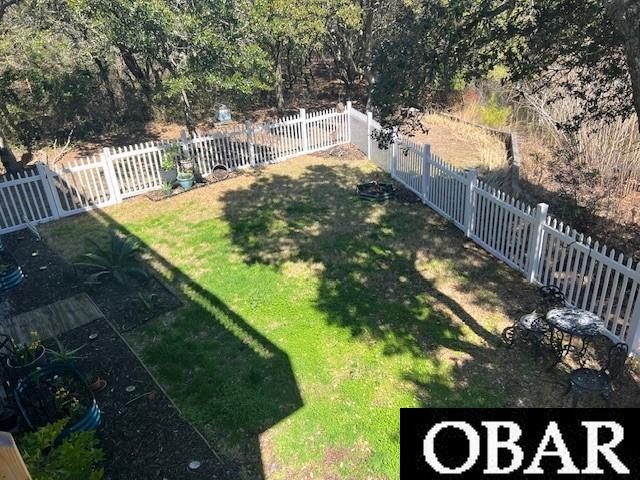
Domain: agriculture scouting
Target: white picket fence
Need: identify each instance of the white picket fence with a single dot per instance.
(46, 193)
(525, 238)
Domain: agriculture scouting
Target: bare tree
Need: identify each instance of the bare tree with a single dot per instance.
(626, 16)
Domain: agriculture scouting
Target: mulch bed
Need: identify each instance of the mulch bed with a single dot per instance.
(49, 278)
(142, 433)
(159, 195)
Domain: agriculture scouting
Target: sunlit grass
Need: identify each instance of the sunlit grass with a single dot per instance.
(311, 320)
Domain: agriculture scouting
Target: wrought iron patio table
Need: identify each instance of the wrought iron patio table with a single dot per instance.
(568, 324)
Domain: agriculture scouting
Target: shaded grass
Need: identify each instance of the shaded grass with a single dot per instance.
(314, 317)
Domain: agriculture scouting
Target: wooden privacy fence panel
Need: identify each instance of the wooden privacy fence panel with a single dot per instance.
(525, 238)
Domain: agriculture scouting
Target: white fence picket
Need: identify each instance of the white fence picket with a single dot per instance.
(23, 200)
(546, 251)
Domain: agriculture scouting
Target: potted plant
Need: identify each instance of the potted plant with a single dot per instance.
(54, 392)
(167, 188)
(169, 164)
(185, 179)
(10, 272)
(186, 162)
(26, 358)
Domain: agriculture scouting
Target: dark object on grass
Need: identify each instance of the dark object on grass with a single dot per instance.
(375, 192)
(54, 392)
(118, 260)
(583, 381)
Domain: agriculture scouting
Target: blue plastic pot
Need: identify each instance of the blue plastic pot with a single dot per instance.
(185, 183)
(12, 276)
(89, 421)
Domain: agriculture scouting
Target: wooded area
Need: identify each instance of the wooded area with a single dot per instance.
(92, 65)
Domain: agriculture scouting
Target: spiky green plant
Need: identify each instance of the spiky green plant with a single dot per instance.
(118, 260)
(64, 354)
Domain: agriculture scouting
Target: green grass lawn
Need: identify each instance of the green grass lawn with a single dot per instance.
(313, 317)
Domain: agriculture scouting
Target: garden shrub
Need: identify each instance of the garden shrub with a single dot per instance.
(73, 458)
(493, 114)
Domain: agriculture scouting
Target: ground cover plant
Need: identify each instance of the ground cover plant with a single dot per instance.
(312, 317)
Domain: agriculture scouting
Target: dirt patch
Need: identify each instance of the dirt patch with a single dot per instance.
(462, 145)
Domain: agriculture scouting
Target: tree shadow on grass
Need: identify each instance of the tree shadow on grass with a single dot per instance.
(371, 261)
(396, 275)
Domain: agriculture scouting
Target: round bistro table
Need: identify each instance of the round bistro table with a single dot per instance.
(567, 324)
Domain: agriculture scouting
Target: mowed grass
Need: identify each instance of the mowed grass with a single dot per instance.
(313, 317)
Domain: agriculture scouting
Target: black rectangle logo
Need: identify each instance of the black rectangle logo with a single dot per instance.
(519, 443)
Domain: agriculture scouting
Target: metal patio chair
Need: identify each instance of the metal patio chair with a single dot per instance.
(583, 381)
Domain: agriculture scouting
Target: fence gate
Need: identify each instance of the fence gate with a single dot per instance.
(81, 185)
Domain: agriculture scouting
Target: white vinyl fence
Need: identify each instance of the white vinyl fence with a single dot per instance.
(525, 238)
(45, 193)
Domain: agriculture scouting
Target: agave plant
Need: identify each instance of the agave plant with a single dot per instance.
(63, 354)
(118, 260)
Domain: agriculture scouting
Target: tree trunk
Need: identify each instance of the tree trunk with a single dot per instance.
(134, 67)
(626, 17)
(367, 36)
(103, 71)
(278, 86)
(7, 157)
(188, 114)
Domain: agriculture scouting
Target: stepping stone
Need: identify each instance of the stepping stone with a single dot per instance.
(52, 320)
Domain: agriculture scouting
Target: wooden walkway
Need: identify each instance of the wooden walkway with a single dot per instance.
(52, 320)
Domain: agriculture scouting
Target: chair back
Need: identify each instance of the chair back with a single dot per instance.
(616, 360)
(552, 297)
